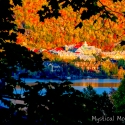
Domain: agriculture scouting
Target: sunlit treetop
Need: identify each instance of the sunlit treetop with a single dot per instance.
(93, 7)
(69, 28)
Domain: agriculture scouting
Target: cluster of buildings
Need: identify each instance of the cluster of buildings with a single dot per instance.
(82, 51)
(114, 54)
(85, 52)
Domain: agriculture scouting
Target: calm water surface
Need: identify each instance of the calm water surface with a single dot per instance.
(28, 80)
(99, 90)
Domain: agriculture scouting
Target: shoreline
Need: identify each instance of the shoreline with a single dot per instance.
(94, 85)
(80, 81)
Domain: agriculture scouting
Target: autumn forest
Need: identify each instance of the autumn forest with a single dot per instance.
(51, 33)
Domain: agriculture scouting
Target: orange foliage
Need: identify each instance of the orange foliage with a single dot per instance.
(59, 32)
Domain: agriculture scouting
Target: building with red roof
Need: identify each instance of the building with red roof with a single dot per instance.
(78, 45)
(36, 50)
(59, 49)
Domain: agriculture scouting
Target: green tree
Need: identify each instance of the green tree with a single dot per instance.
(114, 70)
(121, 62)
(57, 104)
(105, 70)
(119, 98)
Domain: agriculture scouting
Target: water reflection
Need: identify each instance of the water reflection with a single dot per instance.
(28, 80)
(99, 90)
(97, 81)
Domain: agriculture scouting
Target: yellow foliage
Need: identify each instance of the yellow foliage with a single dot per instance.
(62, 29)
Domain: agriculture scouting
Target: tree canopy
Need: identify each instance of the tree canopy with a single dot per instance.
(90, 8)
(58, 103)
(66, 29)
(119, 98)
(13, 55)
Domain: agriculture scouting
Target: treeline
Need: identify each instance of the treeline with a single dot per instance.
(59, 32)
(57, 104)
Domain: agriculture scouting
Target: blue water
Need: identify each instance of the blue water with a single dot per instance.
(28, 80)
(2, 104)
(80, 88)
(97, 81)
(99, 90)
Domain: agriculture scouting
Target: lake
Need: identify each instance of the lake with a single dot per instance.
(28, 80)
(77, 83)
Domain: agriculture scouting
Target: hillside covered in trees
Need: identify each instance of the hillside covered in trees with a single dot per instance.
(59, 103)
(52, 32)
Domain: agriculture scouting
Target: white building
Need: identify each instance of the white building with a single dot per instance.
(88, 50)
